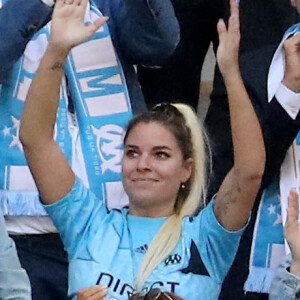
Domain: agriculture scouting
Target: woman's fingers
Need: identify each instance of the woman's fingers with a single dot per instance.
(221, 28)
(95, 292)
(97, 24)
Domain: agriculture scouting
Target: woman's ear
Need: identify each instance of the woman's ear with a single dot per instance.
(187, 170)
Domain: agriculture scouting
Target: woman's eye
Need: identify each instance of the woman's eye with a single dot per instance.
(131, 153)
(162, 155)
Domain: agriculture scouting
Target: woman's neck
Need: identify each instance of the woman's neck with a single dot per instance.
(150, 212)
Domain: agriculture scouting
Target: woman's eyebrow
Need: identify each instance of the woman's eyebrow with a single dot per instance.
(131, 146)
(162, 147)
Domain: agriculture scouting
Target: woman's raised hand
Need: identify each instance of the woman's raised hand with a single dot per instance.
(68, 28)
(229, 38)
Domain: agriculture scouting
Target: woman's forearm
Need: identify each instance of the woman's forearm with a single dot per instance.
(248, 144)
(39, 113)
(49, 167)
(240, 186)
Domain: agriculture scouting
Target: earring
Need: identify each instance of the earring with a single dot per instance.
(182, 186)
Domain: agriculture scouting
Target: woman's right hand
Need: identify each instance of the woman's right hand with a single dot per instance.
(292, 231)
(68, 28)
(95, 292)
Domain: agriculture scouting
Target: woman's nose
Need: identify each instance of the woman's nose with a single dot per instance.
(144, 162)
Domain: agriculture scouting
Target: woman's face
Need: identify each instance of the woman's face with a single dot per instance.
(153, 169)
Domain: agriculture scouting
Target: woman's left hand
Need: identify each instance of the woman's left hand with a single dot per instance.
(229, 38)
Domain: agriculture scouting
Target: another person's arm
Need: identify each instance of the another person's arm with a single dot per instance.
(292, 62)
(147, 32)
(292, 231)
(19, 21)
(284, 107)
(14, 282)
(240, 186)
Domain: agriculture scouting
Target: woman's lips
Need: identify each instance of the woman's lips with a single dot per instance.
(144, 179)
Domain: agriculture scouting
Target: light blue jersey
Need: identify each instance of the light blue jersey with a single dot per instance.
(107, 248)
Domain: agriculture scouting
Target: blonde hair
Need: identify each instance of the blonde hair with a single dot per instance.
(167, 238)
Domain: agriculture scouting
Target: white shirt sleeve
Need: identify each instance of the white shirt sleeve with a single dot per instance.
(289, 100)
(48, 2)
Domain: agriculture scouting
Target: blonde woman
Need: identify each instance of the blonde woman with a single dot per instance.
(160, 241)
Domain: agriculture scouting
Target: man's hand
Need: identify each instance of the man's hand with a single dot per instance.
(292, 231)
(68, 28)
(292, 63)
(95, 292)
(228, 50)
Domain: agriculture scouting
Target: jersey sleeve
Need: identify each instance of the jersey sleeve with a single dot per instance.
(73, 215)
(217, 245)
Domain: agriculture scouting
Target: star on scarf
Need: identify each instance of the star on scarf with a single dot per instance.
(16, 123)
(278, 220)
(271, 209)
(6, 130)
(15, 138)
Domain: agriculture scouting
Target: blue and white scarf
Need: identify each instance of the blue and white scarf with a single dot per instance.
(91, 138)
(268, 242)
(268, 245)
